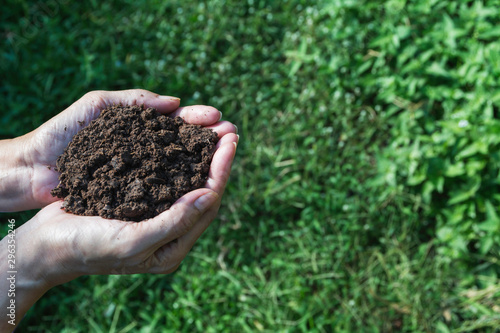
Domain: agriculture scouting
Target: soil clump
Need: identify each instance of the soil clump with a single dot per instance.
(132, 163)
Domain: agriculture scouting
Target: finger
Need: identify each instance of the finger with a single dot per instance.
(174, 252)
(163, 104)
(186, 242)
(220, 167)
(198, 114)
(170, 253)
(169, 256)
(177, 220)
(88, 108)
(222, 128)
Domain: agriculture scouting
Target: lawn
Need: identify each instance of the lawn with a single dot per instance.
(365, 194)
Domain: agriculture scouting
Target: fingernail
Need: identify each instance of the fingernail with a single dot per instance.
(238, 138)
(170, 98)
(236, 128)
(205, 201)
(220, 117)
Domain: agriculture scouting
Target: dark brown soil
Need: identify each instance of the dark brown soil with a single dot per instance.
(133, 163)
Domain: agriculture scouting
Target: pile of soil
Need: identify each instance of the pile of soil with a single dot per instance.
(132, 163)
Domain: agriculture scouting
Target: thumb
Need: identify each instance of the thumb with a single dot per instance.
(179, 219)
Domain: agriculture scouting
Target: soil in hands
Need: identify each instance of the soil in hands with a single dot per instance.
(132, 163)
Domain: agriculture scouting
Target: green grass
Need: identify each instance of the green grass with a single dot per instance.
(356, 201)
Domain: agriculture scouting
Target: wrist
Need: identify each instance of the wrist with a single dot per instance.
(46, 261)
(21, 282)
(15, 175)
(49, 256)
(27, 260)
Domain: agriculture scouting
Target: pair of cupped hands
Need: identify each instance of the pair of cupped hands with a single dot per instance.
(55, 247)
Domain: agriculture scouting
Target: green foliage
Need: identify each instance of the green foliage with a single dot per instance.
(453, 171)
(445, 121)
(365, 192)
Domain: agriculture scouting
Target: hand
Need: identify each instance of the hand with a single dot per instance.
(32, 176)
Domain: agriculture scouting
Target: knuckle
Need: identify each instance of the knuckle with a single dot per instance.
(167, 265)
(184, 224)
(96, 99)
(172, 268)
(138, 94)
(142, 91)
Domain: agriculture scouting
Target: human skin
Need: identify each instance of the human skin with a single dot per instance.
(55, 247)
